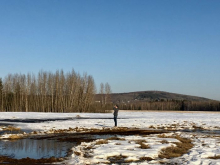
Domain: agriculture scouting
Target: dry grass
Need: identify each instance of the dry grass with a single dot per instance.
(164, 142)
(78, 116)
(77, 153)
(142, 144)
(153, 127)
(146, 158)
(102, 141)
(11, 128)
(214, 157)
(88, 155)
(117, 143)
(116, 159)
(181, 148)
(35, 132)
(28, 161)
(14, 137)
(195, 127)
(89, 147)
(162, 136)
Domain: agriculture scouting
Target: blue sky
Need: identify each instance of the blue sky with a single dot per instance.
(134, 45)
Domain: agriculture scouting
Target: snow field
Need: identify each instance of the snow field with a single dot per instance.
(126, 147)
(206, 145)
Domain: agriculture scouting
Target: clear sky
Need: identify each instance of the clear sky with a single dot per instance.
(134, 45)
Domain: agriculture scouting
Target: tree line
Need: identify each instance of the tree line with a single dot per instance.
(47, 92)
(72, 92)
(178, 105)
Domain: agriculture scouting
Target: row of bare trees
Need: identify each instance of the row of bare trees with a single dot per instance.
(47, 92)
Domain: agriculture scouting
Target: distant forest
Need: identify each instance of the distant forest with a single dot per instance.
(72, 92)
(176, 105)
(158, 100)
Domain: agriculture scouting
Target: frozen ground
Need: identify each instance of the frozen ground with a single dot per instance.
(201, 127)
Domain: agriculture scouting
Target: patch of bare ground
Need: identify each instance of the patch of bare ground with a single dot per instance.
(29, 161)
(176, 150)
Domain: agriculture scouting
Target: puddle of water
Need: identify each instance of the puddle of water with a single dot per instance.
(42, 148)
(35, 149)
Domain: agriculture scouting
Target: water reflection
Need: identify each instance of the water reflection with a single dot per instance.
(35, 149)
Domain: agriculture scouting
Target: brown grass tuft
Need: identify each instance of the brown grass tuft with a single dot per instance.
(164, 142)
(153, 127)
(181, 148)
(11, 128)
(117, 159)
(77, 153)
(142, 144)
(162, 136)
(89, 147)
(117, 143)
(78, 116)
(146, 158)
(102, 141)
(15, 137)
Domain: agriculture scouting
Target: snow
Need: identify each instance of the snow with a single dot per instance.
(206, 145)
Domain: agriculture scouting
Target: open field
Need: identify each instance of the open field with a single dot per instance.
(143, 137)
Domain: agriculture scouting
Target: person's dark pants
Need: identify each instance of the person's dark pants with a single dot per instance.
(115, 120)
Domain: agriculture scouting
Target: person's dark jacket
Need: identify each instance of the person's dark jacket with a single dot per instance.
(115, 111)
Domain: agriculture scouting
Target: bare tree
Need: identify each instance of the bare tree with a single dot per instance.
(51, 87)
(102, 94)
(107, 92)
(89, 93)
(33, 94)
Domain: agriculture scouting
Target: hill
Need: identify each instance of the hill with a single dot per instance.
(151, 96)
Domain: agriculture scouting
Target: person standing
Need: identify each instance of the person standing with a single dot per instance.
(116, 109)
